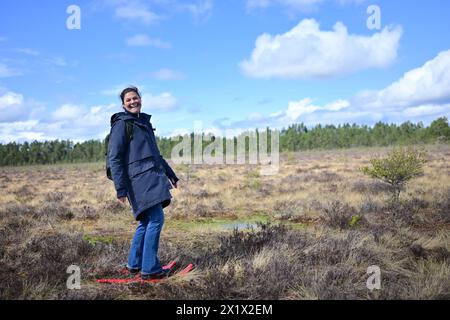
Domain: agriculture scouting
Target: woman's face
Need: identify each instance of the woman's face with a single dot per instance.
(132, 102)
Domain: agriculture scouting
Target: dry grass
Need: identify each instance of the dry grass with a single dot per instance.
(328, 223)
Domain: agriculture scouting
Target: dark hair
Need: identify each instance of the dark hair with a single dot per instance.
(129, 89)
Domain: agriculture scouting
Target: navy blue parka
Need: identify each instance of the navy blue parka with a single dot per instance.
(138, 170)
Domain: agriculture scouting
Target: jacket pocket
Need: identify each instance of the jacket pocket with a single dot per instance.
(140, 166)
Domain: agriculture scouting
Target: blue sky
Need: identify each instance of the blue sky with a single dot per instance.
(232, 65)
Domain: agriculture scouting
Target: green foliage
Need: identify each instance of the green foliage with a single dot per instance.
(295, 138)
(93, 240)
(253, 174)
(400, 166)
(253, 183)
(354, 220)
(440, 129)
(298, 137)
(51, 152)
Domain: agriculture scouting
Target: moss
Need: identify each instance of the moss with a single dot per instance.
(354, 220)
(93, 240)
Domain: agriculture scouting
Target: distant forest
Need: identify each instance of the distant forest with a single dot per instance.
(296, 137)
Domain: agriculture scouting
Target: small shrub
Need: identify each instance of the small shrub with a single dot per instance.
(339, 215)
(242, 242)
(25, 193)
(254, 184)
(14, 210)
(400, 166)
(442, 206)
(201, 194)
(328, 176)
(113, 206)
(285, 210)
(56, 210)
(372, 188)
(88, 213)
(54, 197)
(253, 174)
(202, 210)
(219, 205)
(370, 206)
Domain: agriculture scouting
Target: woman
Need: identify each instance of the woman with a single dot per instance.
(142, 175)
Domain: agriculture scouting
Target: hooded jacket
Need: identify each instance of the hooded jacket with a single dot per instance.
(138, 170)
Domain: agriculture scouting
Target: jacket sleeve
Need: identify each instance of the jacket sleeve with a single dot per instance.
(169, 172)
(117, 149)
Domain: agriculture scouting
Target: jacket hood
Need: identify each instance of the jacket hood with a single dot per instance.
(130, 116)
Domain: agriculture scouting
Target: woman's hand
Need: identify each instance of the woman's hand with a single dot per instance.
(122, 199)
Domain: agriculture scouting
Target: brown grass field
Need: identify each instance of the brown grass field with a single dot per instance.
(309, 232)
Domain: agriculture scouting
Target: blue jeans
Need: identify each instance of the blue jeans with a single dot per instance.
(144, 249)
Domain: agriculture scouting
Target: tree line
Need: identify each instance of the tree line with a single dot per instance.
(296, 137)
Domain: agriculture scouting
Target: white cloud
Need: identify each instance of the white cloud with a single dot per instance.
(138, 40)
(60, 62)
(304, 111)
(137, 11)
(422, 94)
(19, 131)
(296, 5)
(142, 40)
(152, 11)
(425, 110)
(68, 112)
(28, 51)
(427, 84)
(6, 72)
(337, 105)
(297, 111)
(298, 108)
(76, 123)
(163, 102)
(308, 52)
(22, 119)
(293, 4)
(11, 106)
(167, 74)
(95, 115)
(201, 10)
(10, 99)
(179, 132)
(255, 116)
(15, 107)
(116, 90)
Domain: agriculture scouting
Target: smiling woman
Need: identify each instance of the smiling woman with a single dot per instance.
(131, 100)
(142, 175)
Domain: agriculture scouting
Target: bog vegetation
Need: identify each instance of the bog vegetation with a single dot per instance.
(310, 232)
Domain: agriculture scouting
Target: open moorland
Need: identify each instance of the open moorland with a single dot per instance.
(309, 232)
